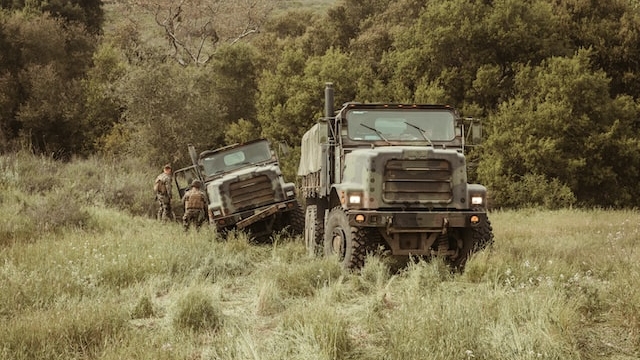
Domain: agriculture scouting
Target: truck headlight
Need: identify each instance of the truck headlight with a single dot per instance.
(477, 200)
(355, 199)
(290, 193)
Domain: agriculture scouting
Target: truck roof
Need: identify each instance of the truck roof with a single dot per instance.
(351, 105)
(228, 147)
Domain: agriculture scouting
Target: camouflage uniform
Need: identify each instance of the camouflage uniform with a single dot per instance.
(195, 205)
(162, 187)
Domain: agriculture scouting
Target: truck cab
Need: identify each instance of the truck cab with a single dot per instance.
(391, 175)
(245, 189)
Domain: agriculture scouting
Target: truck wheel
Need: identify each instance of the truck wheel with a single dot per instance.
(297, 221)
(343, 240)
(475, 239)
(313, 231)
(484, 235)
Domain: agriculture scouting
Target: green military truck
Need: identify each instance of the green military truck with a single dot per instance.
(245, 189)
(391, 175)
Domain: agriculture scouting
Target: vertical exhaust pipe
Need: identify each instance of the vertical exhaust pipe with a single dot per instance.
(332, 134)
(328, 100)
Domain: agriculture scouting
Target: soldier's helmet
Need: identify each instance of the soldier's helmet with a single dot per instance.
(196, 183)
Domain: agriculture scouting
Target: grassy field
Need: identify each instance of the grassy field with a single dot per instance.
(86, 274)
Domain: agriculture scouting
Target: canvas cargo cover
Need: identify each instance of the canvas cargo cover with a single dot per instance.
(311, 149)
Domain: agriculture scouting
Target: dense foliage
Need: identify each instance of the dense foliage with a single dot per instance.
(556, 81)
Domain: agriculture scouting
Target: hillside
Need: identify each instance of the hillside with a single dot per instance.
(82, 279)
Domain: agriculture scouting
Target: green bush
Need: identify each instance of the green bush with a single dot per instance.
(318, 330)
(143, 309)
(195, 311)
(304, 279)
(124, 184)
(58, 210)
(531, 191)
(80, 330)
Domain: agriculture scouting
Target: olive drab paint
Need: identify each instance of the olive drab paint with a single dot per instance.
(391, 175)
(244, 189)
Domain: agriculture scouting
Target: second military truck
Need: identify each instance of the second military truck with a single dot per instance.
(245, 189)
(391, 176)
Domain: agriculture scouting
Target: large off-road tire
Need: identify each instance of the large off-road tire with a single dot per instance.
(313, 230)
(344, 241)
(296, 221)
(484, 236)
(290, 223)
(474, 240)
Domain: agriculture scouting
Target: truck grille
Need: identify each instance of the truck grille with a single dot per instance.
(417, 181)
(251, 193)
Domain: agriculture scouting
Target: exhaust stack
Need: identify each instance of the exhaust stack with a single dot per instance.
(328, 100)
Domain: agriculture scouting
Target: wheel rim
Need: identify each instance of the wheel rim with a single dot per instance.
(338, 242)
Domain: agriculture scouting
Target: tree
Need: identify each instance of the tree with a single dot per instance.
(291, 97)
(9, 87)
(88, 13)
(612, 30)
(167, 107)
(48, 58)
(103, 102)
(234, 70)
(454, 42)
(563, 129)
(195, 29)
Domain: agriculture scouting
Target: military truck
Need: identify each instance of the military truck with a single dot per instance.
(392, 176)
(245, 189)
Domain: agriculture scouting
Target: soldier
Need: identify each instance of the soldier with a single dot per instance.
(195, 206)
(162, 188)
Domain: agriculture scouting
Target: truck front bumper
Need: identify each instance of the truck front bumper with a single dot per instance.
(419, 233)
(416, 221)
(246, 218)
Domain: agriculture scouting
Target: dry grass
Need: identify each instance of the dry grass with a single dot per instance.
(557, 285)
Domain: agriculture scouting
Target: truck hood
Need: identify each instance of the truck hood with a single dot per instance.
(249, 188)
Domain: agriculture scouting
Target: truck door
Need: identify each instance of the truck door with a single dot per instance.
(184, 177)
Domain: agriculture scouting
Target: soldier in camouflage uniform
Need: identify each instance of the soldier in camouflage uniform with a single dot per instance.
(195, 206)
(162, 188)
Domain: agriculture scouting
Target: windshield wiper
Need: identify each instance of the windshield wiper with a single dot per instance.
(422, 132)
(377, 132)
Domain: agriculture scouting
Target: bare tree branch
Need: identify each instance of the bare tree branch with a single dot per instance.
(195, 28)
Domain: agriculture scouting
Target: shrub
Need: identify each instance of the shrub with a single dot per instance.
(196, 312)
(270, 300)
(143, 309)
(56, 211)
(303, 279)
(532, 190)
(73, 331)
(318, 331)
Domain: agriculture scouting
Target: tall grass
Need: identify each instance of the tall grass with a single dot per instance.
(101, 280)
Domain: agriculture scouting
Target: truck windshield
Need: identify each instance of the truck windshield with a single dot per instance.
(228, 160)
(401, 124)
